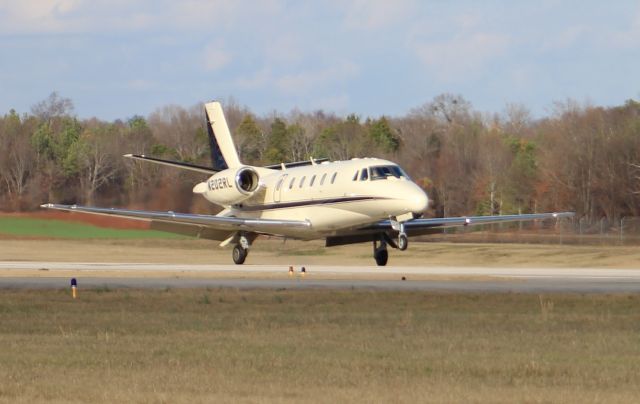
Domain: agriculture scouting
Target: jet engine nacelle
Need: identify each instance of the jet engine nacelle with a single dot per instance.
(230, 186)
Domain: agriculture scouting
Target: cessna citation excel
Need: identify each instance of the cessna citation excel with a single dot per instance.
(342, 202)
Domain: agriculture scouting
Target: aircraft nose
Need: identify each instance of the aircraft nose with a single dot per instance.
(419, 201)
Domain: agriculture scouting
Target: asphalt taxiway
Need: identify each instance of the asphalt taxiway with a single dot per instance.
(28, 274)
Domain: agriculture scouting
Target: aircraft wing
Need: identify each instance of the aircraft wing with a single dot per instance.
(425, 226)
(205, 226)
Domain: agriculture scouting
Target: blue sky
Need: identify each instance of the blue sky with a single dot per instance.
(117, 58)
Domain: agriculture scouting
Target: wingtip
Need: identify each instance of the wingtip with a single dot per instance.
(129, 155)
(46, 205)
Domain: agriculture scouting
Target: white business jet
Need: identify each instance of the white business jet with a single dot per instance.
(342, 202)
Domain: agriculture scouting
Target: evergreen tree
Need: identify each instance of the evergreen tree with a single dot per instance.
(251, 143)
(382, 135)
(279, 142)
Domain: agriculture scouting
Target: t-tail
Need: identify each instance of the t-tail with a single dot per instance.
(223, 150)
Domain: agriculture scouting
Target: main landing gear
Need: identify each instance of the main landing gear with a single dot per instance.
(239, 254)
(380, 253)
(241, 249)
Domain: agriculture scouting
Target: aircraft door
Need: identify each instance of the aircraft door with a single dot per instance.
(277, 192)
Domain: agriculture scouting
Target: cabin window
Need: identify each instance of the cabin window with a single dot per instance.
(324, 176)
(302, 181)
(365, 175)
(291, 183)
(313, 179)
(355, 176)
(333, 177)
(279, 184)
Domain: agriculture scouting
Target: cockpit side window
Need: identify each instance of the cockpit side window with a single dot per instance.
(355, 176)
(384, 172)
(398, 172)
(364, 175)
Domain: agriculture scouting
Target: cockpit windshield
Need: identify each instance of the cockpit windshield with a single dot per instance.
(384, 172)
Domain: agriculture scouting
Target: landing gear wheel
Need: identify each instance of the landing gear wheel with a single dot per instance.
(381, 257)
(239, 254)
(403, 242)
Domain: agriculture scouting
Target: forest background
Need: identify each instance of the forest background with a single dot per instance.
(580, 157)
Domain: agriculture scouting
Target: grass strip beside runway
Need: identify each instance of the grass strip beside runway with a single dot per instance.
(46, 228)
(316, 346)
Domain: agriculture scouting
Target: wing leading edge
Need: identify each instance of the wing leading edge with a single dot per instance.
(223, 223)
(420, 226)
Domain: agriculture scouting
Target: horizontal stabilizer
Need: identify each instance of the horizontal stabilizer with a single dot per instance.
(209, 170)
(295, 164)
(185, 166)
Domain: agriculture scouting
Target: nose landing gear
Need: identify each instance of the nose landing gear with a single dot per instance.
(403, 241)
(399, 226)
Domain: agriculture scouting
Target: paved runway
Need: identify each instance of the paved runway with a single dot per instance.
(469, 279)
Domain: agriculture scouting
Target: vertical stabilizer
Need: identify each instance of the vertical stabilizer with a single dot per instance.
(223, 151)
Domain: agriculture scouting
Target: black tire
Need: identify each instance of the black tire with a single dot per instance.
(381, 257)
(239, 255)
(403, 242)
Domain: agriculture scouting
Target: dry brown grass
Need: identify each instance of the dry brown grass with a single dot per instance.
(314, 253)
(316, 346)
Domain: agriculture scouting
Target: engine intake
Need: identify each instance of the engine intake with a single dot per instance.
(247, 180)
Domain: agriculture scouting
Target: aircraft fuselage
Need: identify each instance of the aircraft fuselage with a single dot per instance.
(331, 196)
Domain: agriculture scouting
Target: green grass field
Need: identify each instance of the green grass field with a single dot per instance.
(46, 228)
(317, 346)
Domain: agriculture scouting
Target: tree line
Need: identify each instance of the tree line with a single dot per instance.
(582, 158)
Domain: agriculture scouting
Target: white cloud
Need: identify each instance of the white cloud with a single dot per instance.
(73, 16)
(202, 14)
(627, 38)
(564, 39)
(376, 14)
(36, 15)
(303, 82)
(259, 79)
(77, 16)
(215, 56)
(336, 103)
(462, 54)
(285, 50)
(141, 84)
